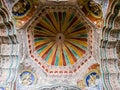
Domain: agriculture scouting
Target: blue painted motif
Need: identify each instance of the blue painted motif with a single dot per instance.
(27, 78)
(1, 88)
(93, 81)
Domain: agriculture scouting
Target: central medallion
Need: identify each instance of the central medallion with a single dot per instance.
(60, 38)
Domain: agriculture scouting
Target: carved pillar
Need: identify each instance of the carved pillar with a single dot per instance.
(9, 50)
(109, 59)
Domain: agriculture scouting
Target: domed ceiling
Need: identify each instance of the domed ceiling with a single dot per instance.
(61, 45)
(59, 38)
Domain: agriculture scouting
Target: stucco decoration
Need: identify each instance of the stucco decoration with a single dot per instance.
(58, 45)
(59, 87)
(8, 58)
(117, 23)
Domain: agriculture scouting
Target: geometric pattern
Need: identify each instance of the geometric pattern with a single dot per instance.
(60, 38)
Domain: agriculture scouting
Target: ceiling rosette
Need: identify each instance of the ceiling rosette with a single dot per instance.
(59, 37)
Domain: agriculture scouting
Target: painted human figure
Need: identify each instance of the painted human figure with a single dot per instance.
(20, 7)
(26, 79)
(94, 8)
(94, 82)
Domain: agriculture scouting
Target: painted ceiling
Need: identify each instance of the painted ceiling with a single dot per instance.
(59, 37)
(53, 44)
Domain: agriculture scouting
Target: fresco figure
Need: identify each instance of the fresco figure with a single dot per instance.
(93, 81)
(94, 7)
(27, 78)
(21, 7)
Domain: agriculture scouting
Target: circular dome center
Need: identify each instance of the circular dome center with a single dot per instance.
(60, 38)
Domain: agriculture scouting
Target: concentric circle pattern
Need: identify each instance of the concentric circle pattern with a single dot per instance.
(60, 37)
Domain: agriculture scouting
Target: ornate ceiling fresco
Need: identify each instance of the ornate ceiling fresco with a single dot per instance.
(54, 43)
(60, 36)
(59, 44)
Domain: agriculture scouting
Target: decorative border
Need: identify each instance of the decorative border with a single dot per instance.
(54, 87)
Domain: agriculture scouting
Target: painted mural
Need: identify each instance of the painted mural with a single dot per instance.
(60, 38)
(92, 79)
(23, 10)
(93, 11)
(27, 78)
